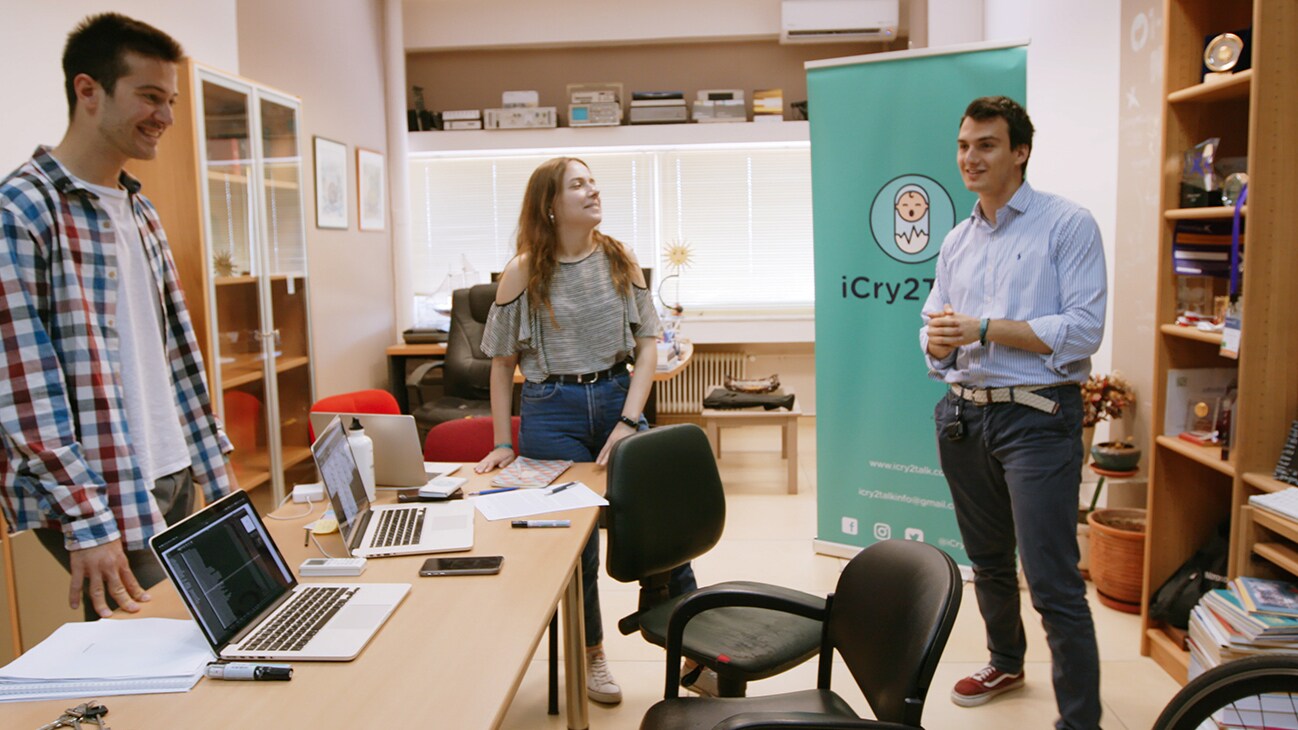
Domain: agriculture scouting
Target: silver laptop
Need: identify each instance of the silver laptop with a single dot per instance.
(246, 600)
(398, 455)
(398, 529)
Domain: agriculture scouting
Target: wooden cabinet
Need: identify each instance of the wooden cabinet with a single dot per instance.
(1191, 488)
(227, 183)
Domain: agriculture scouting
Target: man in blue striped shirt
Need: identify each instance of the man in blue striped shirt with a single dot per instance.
(1016, 311)
(105, 420)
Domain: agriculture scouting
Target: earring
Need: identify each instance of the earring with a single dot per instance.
(551, 217)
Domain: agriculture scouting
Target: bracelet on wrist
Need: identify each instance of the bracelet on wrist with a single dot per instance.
(633, 423)
(505, 445)
(982, 331)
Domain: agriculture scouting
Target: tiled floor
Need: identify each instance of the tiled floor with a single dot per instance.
(768, 537)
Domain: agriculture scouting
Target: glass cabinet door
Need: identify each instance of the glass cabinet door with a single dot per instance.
(229, 179)
(284, 234)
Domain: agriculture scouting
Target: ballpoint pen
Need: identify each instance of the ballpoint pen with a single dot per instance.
(560, 488)
(493, 491)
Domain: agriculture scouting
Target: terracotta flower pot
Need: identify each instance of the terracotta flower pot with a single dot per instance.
(1118, 556)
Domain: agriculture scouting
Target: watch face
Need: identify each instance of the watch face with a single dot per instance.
(1222, 52)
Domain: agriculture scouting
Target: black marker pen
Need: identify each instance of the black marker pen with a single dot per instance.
(541, 523)
(248, 671)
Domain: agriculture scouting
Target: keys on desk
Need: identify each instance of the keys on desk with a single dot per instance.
(72, 717)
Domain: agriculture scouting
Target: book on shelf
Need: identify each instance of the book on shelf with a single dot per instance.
(1266, 596)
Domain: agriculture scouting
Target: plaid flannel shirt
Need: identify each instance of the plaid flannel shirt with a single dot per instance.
(67, 461)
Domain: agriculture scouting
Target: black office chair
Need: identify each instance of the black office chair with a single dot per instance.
(667, 507)
(466, 372)
(889, 619)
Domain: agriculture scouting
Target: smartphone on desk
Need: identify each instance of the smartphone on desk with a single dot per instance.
(468, 565)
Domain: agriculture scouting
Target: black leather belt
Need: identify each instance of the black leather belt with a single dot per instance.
(588, 378)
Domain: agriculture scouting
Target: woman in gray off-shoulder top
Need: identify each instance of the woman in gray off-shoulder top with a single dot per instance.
(572, 311)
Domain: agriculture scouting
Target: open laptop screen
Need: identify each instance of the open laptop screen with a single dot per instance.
(225, 566)
(342, 479)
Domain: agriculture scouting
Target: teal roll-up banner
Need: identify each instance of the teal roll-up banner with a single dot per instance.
(885, 192)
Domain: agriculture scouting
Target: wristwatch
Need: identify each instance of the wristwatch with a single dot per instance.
(634, 424)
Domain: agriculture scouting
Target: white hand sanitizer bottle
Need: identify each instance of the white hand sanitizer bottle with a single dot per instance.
(363, 451)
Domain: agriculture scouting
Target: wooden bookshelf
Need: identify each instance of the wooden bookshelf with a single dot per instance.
(1191, 488)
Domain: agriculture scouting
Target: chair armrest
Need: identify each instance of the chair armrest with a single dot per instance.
(416, 377)
(772, 598)
(801, 721)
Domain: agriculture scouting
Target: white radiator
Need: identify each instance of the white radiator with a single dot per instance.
(684, 393)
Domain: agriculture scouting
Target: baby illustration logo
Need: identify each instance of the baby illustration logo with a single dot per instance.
(910, 216)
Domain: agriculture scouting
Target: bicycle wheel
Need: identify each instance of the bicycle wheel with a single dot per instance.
(1257, 692)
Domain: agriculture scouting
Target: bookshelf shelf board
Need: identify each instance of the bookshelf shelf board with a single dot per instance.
(1274, 522)
(1169, 655)
(1190, 333)
(1235, 87)
(1264, 482)
(1280, 554)
(1199, 214)
(1209, 456)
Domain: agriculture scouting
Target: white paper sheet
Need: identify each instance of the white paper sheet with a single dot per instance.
(527, 502)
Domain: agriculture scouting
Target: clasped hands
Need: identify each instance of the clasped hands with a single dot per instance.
(950, 329)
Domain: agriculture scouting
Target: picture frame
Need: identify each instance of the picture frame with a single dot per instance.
(371, 190)
(330, 183)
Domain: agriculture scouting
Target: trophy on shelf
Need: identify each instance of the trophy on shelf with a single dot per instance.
(1226, 53)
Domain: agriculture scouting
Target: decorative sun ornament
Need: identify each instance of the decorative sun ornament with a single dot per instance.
(679, 255)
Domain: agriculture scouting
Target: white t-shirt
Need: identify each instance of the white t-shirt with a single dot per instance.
(151, 414)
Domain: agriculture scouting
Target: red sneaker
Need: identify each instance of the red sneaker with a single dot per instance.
(983, 685)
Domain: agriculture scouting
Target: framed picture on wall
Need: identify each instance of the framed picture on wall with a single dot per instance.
(371, 190)
(330, 183)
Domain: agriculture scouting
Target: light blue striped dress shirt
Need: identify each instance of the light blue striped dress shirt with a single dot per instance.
(1041, 263)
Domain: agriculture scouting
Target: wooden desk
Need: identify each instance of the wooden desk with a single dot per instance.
(451, 656)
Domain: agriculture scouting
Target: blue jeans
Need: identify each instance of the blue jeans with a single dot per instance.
(571, 421)
(1014, 478)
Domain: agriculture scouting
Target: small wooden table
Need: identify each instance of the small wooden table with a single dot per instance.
(715, 419)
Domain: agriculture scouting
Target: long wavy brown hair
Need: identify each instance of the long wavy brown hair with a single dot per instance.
(538, 239)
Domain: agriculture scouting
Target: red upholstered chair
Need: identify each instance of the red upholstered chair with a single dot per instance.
(360, 401)
(464, 440)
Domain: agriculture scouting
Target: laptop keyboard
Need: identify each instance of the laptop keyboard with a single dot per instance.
(398, 527)
(300, 621)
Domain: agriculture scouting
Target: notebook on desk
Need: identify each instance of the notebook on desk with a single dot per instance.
(246, 600)
(398, 455)
(398, 529)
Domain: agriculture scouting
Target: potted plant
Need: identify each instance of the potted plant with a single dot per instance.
(1104, 397)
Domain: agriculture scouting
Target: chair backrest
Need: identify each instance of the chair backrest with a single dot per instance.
(467, 371)
(890, 618)
(360, 401)
(463, 439)
(665, 501)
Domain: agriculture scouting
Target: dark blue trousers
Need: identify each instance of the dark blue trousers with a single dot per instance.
(572, 421)
(1014, 477)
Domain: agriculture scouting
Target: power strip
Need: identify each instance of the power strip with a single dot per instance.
(313, 492)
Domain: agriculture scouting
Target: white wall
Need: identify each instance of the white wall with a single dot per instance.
(32, 35)
(1073, 88)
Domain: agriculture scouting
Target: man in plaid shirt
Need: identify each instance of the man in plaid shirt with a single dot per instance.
(105, 417)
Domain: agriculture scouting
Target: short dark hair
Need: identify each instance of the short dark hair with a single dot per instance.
(991, 107)
(97, 47)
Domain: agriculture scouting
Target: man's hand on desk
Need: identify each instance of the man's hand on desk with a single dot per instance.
(499, 457)
(109, 573)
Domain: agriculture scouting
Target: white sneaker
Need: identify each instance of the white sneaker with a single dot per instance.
(705, 685)
(600, 685)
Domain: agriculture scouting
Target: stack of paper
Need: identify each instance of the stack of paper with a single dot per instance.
(1283, 502)
(527, 502)
(109, 657)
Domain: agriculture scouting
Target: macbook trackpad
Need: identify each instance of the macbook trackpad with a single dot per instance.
(358, 616)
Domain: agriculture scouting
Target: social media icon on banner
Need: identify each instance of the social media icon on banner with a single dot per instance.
(849, 526)
(882, 531)
(914, 533)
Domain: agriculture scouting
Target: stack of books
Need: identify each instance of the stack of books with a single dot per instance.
(1202, 248)
(768, 105)
(1252, 616)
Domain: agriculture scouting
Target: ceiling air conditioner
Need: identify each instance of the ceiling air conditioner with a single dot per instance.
(829, 21)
